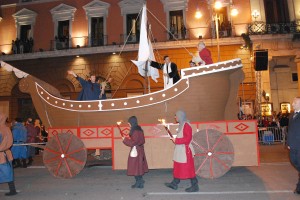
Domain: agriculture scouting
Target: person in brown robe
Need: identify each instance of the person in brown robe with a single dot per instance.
(136, 166)
(6, 169)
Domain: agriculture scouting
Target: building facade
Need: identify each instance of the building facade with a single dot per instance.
(46, 38)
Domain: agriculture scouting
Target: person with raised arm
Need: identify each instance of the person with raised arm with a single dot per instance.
(90, 88)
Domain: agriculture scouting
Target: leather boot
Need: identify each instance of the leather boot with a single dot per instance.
(12, 189)
(194, 185)
(17, 163)
(136, 182)
(139, 182)
(24, 164)
(173, 184)
(30, 160)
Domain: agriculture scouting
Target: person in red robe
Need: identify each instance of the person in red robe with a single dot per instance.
(183, 167)
(137, 165)
(204, 54)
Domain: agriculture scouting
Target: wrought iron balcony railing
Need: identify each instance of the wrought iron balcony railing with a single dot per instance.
(77, 42)
(259, 27)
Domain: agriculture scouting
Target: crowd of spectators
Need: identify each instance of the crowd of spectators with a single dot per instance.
(275, 120)
(20, 46)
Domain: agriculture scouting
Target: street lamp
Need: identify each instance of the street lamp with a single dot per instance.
(218, 6)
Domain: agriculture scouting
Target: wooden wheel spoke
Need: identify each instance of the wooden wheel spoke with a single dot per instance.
(224, 153)
(75, 151)
(211, 171)
(59, 144)
(58, 167)
(206, 133)
(76, 160)
(198, 145)
(217, 142)
(51, 150)
(221, 162)
(68, 145)
(201, 164)
(51, 159)
(68, 167)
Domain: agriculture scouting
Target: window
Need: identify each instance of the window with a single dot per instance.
(175, 14)
(224, 23)
(177, 28)
(25, 32)
(129, 11)
(276, 11)
(133, 27)
(295, 77)
(25, 21)
(62, 37)
(97, 32)
(97, 12)
(62, 16)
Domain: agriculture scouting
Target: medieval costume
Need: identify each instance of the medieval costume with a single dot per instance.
(205, 55)
(183, 155)
(136, 166)
(6, 169)
(32, 135)
(90, 91)
(20, 137)
(170, 69)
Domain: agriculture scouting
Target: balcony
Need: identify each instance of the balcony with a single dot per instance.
(259, 28)
(88, 45)
(77, 42)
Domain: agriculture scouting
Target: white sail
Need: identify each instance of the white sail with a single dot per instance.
(9, 68)
(145, 50)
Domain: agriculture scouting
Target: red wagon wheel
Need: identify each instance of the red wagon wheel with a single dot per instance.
(214, 153)
(64, 155)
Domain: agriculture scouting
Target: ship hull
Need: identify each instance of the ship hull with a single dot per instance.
(205, 94)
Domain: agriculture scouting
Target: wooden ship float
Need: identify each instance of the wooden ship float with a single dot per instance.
(207, 94)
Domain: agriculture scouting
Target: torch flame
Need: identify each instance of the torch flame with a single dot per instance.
(163, 121)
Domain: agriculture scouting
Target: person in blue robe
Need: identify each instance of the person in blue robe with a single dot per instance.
(90, 88)
(20, 136)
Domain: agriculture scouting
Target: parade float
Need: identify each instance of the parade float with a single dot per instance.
(208, 95)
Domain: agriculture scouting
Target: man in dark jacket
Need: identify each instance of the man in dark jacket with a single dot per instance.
(170, 71)
(294, 139)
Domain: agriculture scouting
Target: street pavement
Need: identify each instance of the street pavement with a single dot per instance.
(274, 179)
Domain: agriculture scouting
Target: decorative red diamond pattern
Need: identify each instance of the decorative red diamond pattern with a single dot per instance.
(241, 127)
(69, 131)
(88, 132)
(54, 132)
(126, 131)
(106, 131)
